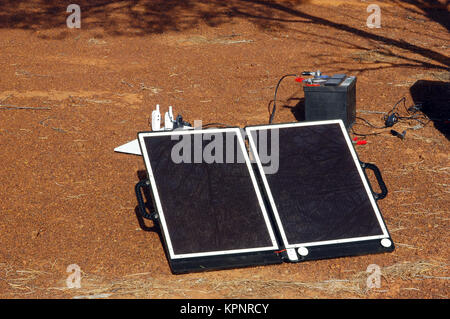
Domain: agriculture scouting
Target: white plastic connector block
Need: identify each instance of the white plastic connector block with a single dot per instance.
(156, 119)
(168, 119)
(292, 256)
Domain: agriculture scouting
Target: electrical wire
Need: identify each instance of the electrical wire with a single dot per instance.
(366, 134)
(272, 114)
(392, 111)
(370, 124)
(215, 125)
(393, 116)
(411, 111)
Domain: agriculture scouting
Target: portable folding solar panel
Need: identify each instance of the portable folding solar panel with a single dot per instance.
(318, 191)
(208, 203)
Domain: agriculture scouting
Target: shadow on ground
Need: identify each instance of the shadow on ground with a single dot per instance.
(144, 17)
(434, 96)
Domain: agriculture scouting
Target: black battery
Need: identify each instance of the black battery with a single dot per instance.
(331, 98)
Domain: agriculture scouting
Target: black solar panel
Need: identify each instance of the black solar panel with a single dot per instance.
(211, 211)
(302, 194)
(317, 190)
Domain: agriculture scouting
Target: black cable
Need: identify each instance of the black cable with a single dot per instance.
(403, 99)
(411, 111)
(368, 134)
(216, 125)
(392, 117)
(370, 124)
(272, 114)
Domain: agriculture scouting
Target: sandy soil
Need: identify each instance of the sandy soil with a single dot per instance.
(67, 198)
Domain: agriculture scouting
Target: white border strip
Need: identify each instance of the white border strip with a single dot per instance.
(157, 199)
(253, 149)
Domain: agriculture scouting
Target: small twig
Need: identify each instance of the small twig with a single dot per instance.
(98, 296)
(415, 19)
(154, 90)
(129, 84)
(434, 277)
(10, 106)
(370, 112)
(59, 129)
(98, 101)
(45, 120)
(76, 196)
(7, 97)
(26, 73)
(138, 274)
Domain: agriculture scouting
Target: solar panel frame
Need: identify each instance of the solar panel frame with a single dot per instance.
(235, 255)
(365, 243)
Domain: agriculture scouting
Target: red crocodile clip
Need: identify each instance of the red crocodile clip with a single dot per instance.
(362, 142)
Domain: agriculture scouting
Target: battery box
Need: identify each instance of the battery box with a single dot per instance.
(331, 98)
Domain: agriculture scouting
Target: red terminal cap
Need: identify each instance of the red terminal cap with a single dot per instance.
(299, 79)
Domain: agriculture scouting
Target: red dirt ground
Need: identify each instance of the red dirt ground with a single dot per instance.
(67, 198)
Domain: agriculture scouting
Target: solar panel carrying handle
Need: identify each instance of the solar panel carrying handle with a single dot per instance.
(140, 199)
(377, 173)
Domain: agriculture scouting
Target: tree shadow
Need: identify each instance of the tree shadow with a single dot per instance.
(122, 17)
(400, 44)
(144, 17)
(434, 96)
(433, 9)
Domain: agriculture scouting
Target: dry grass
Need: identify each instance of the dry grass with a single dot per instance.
(230, 39)
(355, 285)
(20, 281)
(375, 55)
(23, 282)
(80, 101)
